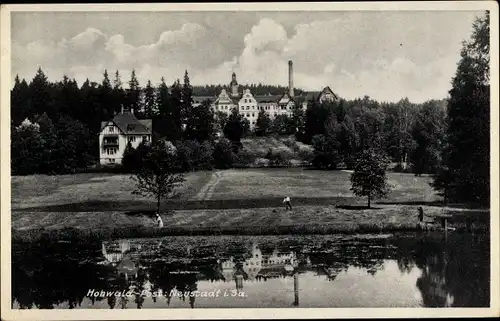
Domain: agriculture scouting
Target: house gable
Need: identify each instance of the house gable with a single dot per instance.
(327, 94)
(105, 124)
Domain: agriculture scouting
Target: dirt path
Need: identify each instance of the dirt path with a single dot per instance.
(206, 191)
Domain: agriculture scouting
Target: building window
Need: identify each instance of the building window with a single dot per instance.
(131, 139)
(111, 151)
(248, 115)
(253, 114)
(145, 138)
(248, 107)
(111, 160)
(111, 129)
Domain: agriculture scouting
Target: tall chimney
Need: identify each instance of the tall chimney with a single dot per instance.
(290, 78)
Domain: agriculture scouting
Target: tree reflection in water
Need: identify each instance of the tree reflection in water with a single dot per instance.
(454, 271)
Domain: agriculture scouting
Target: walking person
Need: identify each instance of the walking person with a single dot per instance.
(159, 221)
(287, 203)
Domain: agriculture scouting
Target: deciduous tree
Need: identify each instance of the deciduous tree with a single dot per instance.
(263, 124)
(369, 176)
(157, 177)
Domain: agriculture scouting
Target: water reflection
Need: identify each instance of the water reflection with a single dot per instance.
(428, 270)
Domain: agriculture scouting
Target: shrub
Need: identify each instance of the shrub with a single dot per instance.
(245, 158)
(261, 162)
(306, 155)
(194, 156)
(325, 152)
(223, 156)
(292, 144)
(129, 162)
(279, 157)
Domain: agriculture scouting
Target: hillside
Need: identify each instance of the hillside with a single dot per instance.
(287, 147)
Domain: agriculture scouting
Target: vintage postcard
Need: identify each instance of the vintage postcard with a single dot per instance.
(266, 160)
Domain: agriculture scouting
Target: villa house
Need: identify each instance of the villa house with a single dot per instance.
(116, 133)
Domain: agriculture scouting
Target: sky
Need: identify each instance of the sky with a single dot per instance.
(386, 55)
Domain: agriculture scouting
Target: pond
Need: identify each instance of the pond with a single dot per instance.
(430, 269)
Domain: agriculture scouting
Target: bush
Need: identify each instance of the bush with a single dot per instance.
(223, 156)
(261, 162)
(325, 152)
(129, 160)
(292, 144)
(279, 157)
(306, 155)
(245, 158)
(194, 156)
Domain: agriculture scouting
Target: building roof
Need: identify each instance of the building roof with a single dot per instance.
(200, 99)
(315, 95)
(267, 98)
(130, 125)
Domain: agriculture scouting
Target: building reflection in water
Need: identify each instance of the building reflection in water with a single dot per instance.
(453, 271)
(258, 266)
(129, 274)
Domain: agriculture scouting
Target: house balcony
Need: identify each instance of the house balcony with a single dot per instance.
(110, 144)
(110, 141)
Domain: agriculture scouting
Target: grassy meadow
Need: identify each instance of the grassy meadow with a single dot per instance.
(234, 184)
(234, 201)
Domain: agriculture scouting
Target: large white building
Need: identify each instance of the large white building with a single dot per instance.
(249, 105)
(116, 133)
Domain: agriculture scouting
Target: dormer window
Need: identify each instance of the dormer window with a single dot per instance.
(130, 127)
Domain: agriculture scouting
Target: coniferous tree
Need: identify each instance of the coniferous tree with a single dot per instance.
(466, 160)
(105, 106)
(163, 118)
(20, 101)
(40, 96)
(175, 122)
(187, 105)
(133, 93)
(118, 93)
(149, 101)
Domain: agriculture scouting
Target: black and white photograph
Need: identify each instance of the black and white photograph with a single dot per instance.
(221, 160)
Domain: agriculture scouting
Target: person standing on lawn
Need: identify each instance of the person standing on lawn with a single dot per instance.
(288, 203)
(159, 220)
